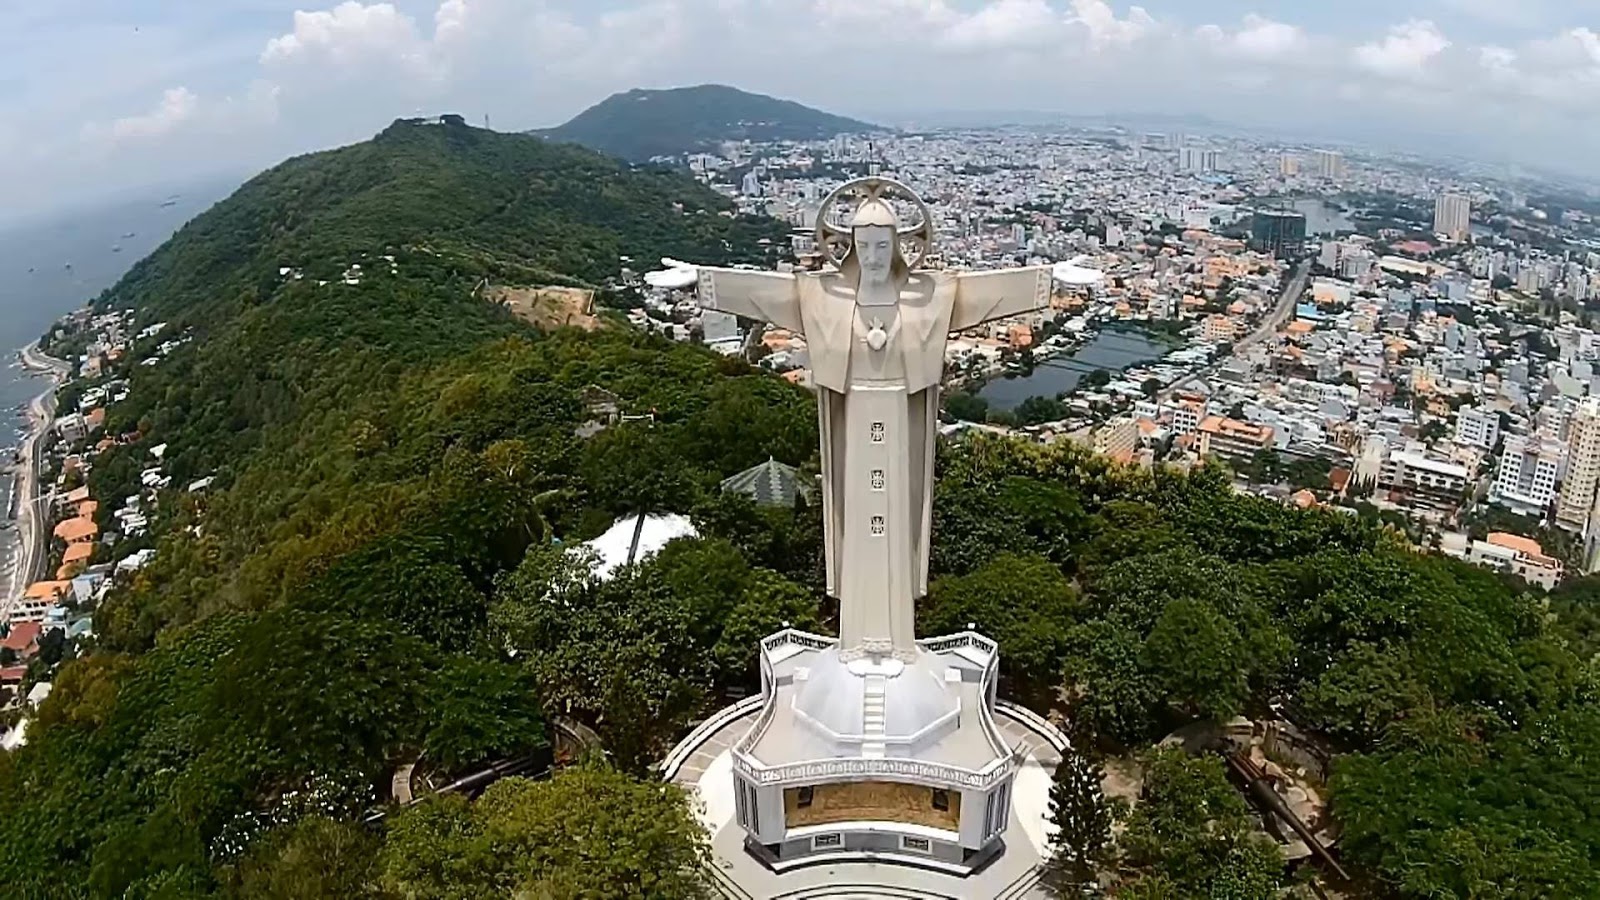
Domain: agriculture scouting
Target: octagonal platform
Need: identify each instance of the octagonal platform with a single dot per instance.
(703, 764)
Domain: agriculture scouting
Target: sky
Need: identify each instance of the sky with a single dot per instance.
(102, 96)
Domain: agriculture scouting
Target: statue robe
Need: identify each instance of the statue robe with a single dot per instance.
(878, 412)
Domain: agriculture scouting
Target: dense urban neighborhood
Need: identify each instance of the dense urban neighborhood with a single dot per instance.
(1375, 334)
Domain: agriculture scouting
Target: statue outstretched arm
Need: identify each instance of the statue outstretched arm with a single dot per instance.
(985, 296)
(765, 296)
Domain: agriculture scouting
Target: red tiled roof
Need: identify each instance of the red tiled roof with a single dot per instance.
(23, 635)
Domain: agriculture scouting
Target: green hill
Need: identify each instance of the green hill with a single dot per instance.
(387, 447)
(639, 125)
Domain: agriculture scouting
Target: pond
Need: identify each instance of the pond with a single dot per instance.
(1111, 349)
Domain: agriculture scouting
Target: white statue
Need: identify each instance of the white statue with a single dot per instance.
(876, 328)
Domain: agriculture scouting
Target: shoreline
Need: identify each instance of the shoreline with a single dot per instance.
(31, 513)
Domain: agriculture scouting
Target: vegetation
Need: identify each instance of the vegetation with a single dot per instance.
(376, 577)
(1082, 819)
(639, 125)
(587, 833)
(1191, 836)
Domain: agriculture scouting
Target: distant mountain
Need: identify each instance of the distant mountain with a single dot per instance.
(638, 125)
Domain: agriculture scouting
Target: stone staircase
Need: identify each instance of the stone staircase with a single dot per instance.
(872, 721)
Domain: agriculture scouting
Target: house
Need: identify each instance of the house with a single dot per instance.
(22, 640)
(1520, 556)
(40, 596)
(78, 554)
(1424, 480)
(1233, 439)
(74, 530)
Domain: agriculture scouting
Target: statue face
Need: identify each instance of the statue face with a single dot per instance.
(875, 253)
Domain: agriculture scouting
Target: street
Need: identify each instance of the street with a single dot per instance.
(33, 512)
(1269, 326)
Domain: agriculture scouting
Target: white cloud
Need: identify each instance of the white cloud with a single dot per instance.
(178, 105)
(1005, 24)
(354, 34)
(1265, 39)
(1258, 39)
(1105, 29)
(1405, 51)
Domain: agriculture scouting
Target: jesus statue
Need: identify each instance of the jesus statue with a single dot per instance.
(876, 328)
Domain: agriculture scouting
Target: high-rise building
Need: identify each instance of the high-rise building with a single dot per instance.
(1281, 233)
(1583, 467)
(1289, 165)
(1328, 164)
(1452, 216)
(1529, 470)
(1478, 428)
(751, 186)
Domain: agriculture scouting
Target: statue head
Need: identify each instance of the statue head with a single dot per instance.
(873, 247)
(875, 232)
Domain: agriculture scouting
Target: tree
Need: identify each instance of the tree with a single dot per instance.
(1190, 832)
(588, 832)
(1022, 601)
(1151, 387)
(482, 712)
(1081, 818)
(317, 858)
(966, 407)
(1097, 379)
(1038, 410)
(624, 654)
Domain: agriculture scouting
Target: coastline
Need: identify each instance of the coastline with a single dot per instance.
(31, 507)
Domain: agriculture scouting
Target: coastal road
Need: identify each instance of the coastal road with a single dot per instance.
(33, 504)
(1268, 327)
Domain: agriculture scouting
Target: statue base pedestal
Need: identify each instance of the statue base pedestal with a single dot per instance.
(875, 756)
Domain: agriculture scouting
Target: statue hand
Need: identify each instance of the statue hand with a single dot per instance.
(1073, 272)
(676, 276)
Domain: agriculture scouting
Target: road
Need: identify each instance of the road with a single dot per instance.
(33, 504)
(1268, 327)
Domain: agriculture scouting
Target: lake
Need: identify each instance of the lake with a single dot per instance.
(1111, 349)
(1322, 217)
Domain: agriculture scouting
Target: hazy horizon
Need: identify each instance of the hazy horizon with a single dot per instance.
(119, 93)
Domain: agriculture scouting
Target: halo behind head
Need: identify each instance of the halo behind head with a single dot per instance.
(874, 202)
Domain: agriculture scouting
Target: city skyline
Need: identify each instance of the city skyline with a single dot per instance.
(147, 95)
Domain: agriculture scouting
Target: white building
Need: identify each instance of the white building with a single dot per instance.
(1452, 216)
(1529, 470)
(1428, 481)
(1478, 428)
(1328, 164)
(1583, 467)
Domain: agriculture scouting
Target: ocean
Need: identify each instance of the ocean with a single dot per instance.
(55, 265)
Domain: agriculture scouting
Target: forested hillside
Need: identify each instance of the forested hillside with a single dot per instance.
(639, 125)
(380, 573)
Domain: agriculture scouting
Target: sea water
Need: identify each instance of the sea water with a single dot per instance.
(52, 266)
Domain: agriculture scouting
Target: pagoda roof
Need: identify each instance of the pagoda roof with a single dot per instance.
(770, 484)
